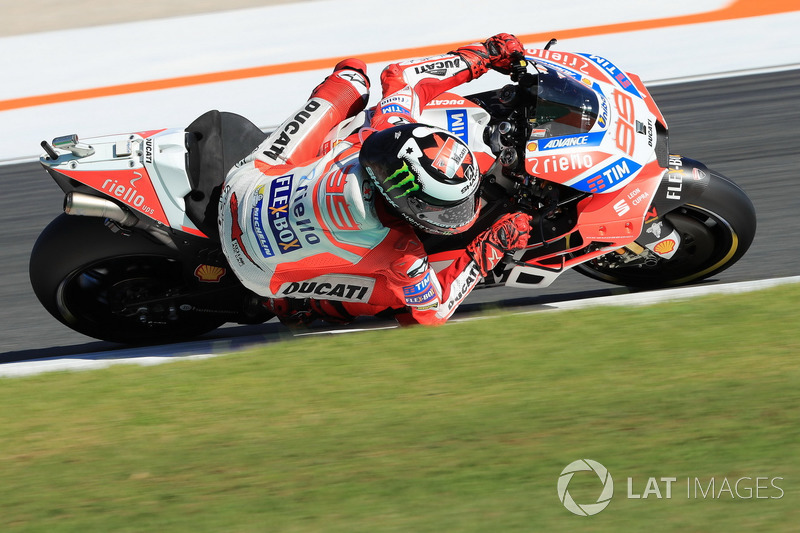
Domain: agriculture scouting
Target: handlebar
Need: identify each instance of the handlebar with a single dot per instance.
(519, 70)
(519, 66)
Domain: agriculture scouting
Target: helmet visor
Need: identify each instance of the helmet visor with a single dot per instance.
(444, 219)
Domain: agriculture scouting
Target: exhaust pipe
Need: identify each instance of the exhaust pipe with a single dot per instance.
(77, 203)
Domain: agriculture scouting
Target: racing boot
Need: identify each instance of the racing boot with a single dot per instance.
(347, 89)
(295, 313)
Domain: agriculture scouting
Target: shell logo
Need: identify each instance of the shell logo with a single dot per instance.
(664, 247)
(209, 273)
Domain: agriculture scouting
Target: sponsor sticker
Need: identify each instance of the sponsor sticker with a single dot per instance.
(611, 175)
(570, 141)
(457, 123)
(282, 139)
(439, 68)
(443, 102)
(237, 242)
(664, 247)
(395, 108)
(420, 294)
(280, 190)
(256, 224)
(450, 157)
(400, 103)
(462, 286)
(564, 166)
(613, 72)
(341, 287)
(209, 273)
(602, 117)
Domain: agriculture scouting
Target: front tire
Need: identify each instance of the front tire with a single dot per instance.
(88, 277)
(716, 231)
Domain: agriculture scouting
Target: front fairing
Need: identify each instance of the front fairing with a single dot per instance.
(588, 134)
(600, 132)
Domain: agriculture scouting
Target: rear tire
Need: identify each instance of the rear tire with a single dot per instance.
(716, 231)
(86, 276)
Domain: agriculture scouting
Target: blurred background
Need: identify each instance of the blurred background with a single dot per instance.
(91, 68)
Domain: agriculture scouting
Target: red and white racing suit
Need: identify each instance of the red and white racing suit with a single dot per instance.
(297, 224)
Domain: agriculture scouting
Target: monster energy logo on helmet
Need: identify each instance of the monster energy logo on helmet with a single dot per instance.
(402, 177)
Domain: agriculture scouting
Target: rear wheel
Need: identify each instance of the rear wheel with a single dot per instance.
(715, 231)
(117, 288)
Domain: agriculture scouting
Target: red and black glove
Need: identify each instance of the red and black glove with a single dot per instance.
(496, 52)
(508, 234)
(503, 48)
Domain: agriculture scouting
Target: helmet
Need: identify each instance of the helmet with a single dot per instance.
(428, 175)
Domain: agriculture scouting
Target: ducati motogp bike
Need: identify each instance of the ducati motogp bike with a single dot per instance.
(573, 140)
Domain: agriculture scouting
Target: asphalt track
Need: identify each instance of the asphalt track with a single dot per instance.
(745, 127)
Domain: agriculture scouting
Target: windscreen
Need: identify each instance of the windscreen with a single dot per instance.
(564, 106)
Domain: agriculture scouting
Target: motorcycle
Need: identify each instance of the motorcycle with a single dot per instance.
(573, 140)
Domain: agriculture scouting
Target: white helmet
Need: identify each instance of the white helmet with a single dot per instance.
(428, 175)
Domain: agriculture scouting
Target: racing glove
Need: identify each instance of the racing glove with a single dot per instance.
(496, 52)
(508, 234)
(503, 48)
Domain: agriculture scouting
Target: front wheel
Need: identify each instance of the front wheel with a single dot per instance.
(112, 287)
(715, 231)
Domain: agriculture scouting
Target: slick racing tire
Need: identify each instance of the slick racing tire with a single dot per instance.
(87, 276)
(716, 231)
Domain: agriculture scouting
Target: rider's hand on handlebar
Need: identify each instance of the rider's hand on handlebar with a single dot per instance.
(503, 48)
(508, 234)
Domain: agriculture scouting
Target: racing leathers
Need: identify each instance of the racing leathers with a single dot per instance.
(300, 219)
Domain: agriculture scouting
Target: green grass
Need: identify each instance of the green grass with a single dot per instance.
(460, 428)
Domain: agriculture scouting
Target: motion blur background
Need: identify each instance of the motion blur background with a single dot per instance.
(92, 68)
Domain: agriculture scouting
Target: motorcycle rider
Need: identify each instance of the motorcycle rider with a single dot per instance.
(330, 232)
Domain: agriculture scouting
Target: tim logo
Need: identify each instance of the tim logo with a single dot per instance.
(394, 108)
(457, 123)
(280, 190)
(420, 294)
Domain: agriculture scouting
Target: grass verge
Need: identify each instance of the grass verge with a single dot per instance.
(461, 428)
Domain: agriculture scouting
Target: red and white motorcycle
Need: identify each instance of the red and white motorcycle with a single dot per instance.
(574, 141)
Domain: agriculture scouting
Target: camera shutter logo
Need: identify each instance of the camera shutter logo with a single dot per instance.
(587, 509)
